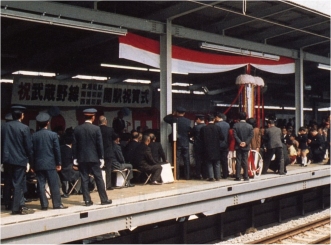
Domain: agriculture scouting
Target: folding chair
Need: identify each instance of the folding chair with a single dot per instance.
(147, 175)
(125, 174)
(74, 185)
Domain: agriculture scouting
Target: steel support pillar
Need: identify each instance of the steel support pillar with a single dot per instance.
(299, 92)
(165, 86)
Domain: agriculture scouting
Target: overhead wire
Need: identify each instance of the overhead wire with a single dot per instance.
(261, 19)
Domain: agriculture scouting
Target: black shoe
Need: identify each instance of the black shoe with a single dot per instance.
(110, 188)
(210, 179)
(23, 211)
(88, 203)
(106, 202)
(64, 196)
(237, 179)
(246, 179)
(282, 173)
(44, 208)
(156, 183)
(217, 179)
(130, 185)
(61, 207)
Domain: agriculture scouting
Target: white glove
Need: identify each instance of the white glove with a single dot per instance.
(102, 163)
(27, 167)
(2, 170)
(75, 162)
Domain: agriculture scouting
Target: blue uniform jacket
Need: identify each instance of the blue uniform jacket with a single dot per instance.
(184, 129)
(88, 145)
(16, 144)
(46, 150)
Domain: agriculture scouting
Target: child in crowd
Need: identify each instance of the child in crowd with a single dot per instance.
(292, 152)
(303, 150)
(232, 152)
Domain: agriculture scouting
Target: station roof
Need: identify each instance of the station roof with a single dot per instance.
(280, 27)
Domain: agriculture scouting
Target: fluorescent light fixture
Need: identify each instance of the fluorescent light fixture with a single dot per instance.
(125, 67)
(91, 77)
(199, 92)
(325, 109)
(324, 67)
(154, 70)
(137, 81)
(272, 107)
(182, 84)
(174, 72)
(176, 91)
(7, 80)
(225, 105)
(290, 108)
(58, 21)
(238, 51)
(34, 73)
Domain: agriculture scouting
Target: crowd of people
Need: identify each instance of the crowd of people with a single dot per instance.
(220, 147)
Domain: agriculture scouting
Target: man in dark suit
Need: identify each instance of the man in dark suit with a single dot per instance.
(107, 134)
(118, 161)
(157, 150)
(67, 172)
(131, 147)
(220, 121)
(16, 153)
(119, 123)
(184, 132)
(243, 134)
(88, 155)
(211, 136)
(145, 161)
(46, 162)
(198, 150)
(317, 145)
(272, 138)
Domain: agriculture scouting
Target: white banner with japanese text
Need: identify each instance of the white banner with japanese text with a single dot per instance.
(51, 92)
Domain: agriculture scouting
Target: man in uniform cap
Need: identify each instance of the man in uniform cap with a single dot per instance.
(47, 161)
(200, 169)
(16, 152)
(183, 135)
(88, 155)
(9, 117)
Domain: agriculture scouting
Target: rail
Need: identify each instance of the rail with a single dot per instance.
(297, 232)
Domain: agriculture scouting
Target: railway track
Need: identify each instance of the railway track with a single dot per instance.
(316, 232)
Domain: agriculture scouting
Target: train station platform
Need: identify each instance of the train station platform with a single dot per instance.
(149, 204)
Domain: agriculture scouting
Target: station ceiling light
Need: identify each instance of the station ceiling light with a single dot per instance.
(324, 67)
(238, 51)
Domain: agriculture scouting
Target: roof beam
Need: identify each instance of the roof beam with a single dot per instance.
(281, 31)
(182, 32)
(84, 14)
(177, 10)
(242, 20)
